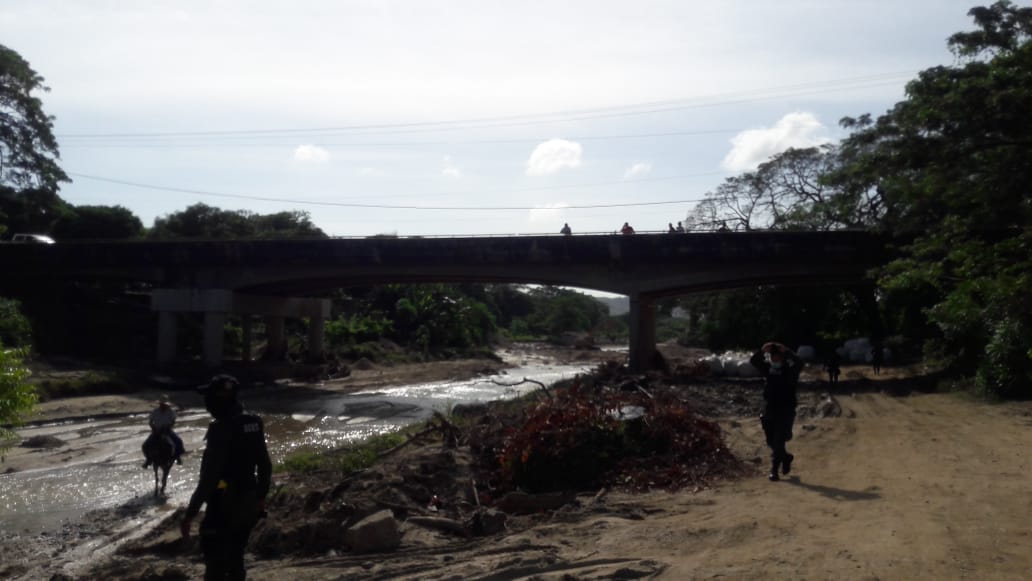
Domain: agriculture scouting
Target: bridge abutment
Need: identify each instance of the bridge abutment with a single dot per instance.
(218, 304)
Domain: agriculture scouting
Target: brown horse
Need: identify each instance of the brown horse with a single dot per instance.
(160, 451)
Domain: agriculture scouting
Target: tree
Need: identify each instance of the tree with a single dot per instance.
(97, 222)
(17, 396)
(28, 149)
(952, 163)
(203, 221)
(789, 192)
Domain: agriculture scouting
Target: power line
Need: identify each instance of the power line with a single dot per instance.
(405, 207)
(539, 118)
(406, 144)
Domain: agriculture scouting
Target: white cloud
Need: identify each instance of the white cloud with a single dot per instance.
(311, 154)
(638, 168)
(548, 214)
(552, 156)
(752, 147)
(449, 170)
(370, 172)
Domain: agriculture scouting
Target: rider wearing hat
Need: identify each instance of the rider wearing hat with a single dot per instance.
(235, 477)
(161, 421)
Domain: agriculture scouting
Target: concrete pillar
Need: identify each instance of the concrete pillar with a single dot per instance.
(247, 338)
(214, 336)
(275, 341)
(167, 329)
(643, 331)
(315, 338)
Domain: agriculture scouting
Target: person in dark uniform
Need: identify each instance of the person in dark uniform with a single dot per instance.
(781, 366)
(235, 477)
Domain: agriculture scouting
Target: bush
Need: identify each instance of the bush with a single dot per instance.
(15, 328)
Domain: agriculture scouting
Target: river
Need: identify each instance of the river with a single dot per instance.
(100, 463)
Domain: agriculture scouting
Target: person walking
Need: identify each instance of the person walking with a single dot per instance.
(781, 368)
(235, 477)
(833, 366)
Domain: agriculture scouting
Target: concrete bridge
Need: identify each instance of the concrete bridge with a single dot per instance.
(286, 278)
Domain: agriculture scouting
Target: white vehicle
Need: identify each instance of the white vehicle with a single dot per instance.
(32, 239)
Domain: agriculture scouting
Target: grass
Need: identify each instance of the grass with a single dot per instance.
(351, 458)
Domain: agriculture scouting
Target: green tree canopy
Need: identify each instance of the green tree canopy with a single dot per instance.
(203, 221)
(953, 165)
(97, 222)
(28, 150)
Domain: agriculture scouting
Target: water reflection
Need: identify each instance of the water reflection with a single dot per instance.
(100, 461)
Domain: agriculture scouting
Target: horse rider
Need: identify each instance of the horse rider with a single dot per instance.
(161, 420)
(235, 477)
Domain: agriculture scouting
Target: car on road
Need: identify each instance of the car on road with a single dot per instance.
(32, 239)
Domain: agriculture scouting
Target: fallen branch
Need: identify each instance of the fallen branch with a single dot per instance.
(525, 380)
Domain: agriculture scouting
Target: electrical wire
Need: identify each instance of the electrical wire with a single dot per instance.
(401, 207)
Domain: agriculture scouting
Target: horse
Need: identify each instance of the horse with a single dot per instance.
(160, 451)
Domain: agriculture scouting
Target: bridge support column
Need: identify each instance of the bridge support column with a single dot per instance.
(214, 337)
(167, 329)
(316, 325)
(275, 340)
(246, 338)
(642, 332)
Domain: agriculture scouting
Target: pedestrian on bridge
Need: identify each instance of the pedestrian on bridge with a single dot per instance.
(566, 230)
(781, 367)
(626, 230)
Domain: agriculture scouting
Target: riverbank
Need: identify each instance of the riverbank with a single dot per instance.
(889, 482)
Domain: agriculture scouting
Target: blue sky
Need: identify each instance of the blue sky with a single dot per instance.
(541, 108)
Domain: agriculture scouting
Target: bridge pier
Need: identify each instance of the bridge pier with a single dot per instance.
(218, 304)
(275, 339)
(643, 331)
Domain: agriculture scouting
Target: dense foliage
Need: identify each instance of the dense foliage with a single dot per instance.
(952, 164)
(945, 175)
(16, 395)
(203, 221)
(28, 150)
(15, 328)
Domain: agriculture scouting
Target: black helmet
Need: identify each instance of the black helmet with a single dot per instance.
(223, 385)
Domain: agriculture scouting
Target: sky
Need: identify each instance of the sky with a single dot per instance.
(435, 117)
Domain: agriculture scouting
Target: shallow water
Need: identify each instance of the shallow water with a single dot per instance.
(100, 463)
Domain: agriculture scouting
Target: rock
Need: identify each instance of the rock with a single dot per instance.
(375, 533)
(807, 353)
(363, 364)
(828, 408)
(43, 442)
(487, 521)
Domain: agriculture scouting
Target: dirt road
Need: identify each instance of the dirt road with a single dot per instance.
(914, 487)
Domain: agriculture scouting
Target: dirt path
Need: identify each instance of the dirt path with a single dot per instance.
(925, 486)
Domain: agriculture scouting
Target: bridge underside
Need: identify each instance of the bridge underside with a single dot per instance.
(643, 267)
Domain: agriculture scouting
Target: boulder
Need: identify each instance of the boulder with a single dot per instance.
(807, 353)
(375, 533)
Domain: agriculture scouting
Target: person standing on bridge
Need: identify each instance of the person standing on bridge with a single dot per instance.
(235, 478)
(781, 367)
(626, 230)
(566, 230)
